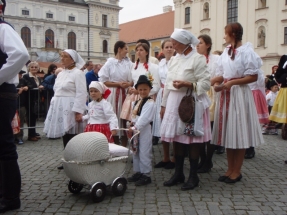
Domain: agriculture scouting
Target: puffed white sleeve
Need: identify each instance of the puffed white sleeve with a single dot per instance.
(81, 92)
(252, 62)
(13, 46)
(147, 115)
(156, 79)
(110, 115)
(202, 75)
(219, 67)
(104, 73)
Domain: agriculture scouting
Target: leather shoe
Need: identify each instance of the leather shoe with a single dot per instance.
(232, 181)
(220, 150)
(32, 138)
(60, 167)
(222, 178)
(175, 179)
(11, 204)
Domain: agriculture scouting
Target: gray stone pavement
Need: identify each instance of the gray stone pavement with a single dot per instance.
(262, 190)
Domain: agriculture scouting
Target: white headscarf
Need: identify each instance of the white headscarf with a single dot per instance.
(185, 37)
(100, 86)
(76, 57)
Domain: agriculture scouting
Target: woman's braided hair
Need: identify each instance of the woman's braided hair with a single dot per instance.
(234, 30)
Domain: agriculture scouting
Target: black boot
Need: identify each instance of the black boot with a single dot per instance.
(155, 140)
(178, 176)
(249, 153)
(11, 185)
(220, 150)
(206, 167)
(193, 179)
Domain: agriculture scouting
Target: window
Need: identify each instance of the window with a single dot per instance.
(25, 12)
(187, 15)
(285, 35)
(49, 15)
(232, 11)
(104, 20)
(105, 46)
(26, 36)
(71, 18)
(72, 41)
(49, 39)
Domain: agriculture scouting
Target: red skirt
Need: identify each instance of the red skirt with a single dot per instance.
(261, 106)
(102, 128)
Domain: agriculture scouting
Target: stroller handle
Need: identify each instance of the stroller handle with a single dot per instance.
(137, 132)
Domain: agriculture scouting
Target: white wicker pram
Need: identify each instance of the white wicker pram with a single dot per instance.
(87, 161)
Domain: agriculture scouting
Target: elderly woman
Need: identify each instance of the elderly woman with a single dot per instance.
(187, 70)
(32, 98)
(69, 102)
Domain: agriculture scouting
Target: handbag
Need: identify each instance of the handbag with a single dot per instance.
(194, 127)
(186, 107)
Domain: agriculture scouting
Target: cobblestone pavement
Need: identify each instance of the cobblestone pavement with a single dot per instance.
(262, 190)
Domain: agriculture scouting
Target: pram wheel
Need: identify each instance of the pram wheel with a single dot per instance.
(98, 192)
(119, 186)
(74, 187)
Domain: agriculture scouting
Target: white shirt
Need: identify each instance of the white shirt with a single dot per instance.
(246, 62)
(101, 113)
(115, 70)
(153, 60)
(259, 84)
(162, 70)
(272, 96)
(72, 83)
(153, 69)
(212, 64)
(18, 56)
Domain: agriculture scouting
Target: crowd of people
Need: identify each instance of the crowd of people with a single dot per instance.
(231, 104)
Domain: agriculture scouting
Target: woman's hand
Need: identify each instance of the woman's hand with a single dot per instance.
(25, 88)
(179, 84)
(78, 117)
(41, 87)
(130, 133)
(227, 85)
(114, 132)
(218, 88)
(162, 111)
(125, 85)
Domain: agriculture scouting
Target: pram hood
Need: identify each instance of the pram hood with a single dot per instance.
(87, 147)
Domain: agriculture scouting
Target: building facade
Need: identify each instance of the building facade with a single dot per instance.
(155, 29)
(264, 23)
(49, 26)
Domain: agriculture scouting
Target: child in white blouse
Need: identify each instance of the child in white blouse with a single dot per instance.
(101, 117)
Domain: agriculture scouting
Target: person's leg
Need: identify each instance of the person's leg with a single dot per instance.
(166, 160)
(10, 172)
(206, 167)
(238, 162)
(249, 153)
(178, 176)
(193, 179)
(202, 155)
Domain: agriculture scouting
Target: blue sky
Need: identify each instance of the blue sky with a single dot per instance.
(137, 9)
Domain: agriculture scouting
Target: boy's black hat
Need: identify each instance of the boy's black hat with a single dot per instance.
(271, 84)
(21, 72)
(143, 80)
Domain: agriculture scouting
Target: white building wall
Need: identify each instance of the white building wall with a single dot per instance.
(251, 16)
(37, 22)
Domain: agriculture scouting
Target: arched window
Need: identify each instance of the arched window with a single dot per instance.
(49, 39)
(105, 46)
(72, 41)
(26, 36)
(206, 11)
(187, 15)
(232, 11)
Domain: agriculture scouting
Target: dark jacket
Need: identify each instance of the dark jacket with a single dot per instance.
(34, 94)
(22, 97)
(281, 74)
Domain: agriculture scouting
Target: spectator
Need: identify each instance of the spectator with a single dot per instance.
(93, 74)
(22, 94)
(88, 66)
(51, 70)
(49, 82)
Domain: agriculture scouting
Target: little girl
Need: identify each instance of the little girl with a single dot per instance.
(101, 117)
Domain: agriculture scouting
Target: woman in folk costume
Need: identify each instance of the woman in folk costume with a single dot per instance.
(279, 109)
(204, 47)
(236, 124)
(141, 67)
(142, 115)
(115, 75)
(64, 118)
(258, 91)
(186, 70)
(101, 116)
(168, 51)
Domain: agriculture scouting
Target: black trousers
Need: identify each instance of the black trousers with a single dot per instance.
(7, 111)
